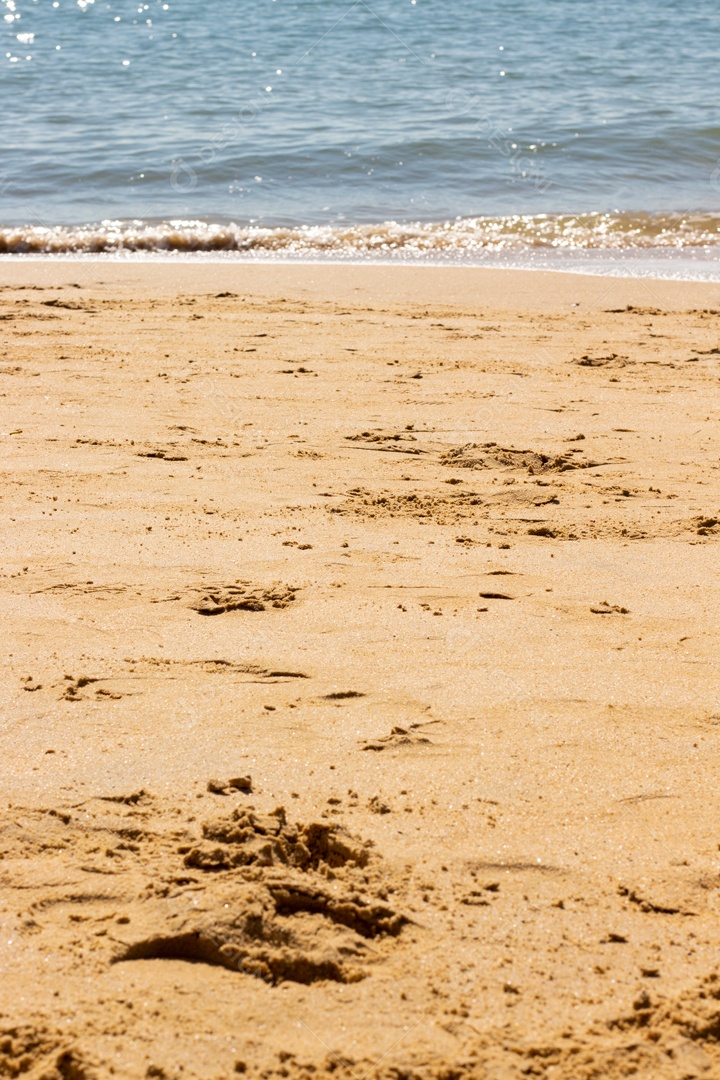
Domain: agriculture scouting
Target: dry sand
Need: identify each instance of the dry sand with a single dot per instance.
(431, 556)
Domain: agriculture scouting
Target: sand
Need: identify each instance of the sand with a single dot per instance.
(360, 710)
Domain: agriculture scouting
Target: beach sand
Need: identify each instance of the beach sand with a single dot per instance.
(425, 562)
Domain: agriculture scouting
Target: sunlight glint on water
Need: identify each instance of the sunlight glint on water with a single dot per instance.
(415, 130)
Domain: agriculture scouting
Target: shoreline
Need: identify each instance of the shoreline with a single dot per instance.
(664, 246)
(401, 281)
(648, 273)
(360, 627)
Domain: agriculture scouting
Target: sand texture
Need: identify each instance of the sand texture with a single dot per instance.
(360, 686)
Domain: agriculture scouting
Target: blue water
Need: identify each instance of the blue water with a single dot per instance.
(331, 113)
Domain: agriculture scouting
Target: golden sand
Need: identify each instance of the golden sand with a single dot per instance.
(362, 645)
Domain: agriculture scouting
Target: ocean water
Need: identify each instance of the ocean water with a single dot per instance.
(536, 130)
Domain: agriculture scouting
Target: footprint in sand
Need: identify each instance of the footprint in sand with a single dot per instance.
(242, 596)
(399, 736)
(266, 909)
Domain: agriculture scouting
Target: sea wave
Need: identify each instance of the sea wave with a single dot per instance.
(464, 237)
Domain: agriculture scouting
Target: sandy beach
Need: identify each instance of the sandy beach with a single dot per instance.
(360, 688)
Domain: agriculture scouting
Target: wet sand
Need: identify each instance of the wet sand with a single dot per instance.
(361, 698)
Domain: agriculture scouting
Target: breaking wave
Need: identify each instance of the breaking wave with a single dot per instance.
(464, 238)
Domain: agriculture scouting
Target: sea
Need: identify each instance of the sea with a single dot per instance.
(557, 134)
